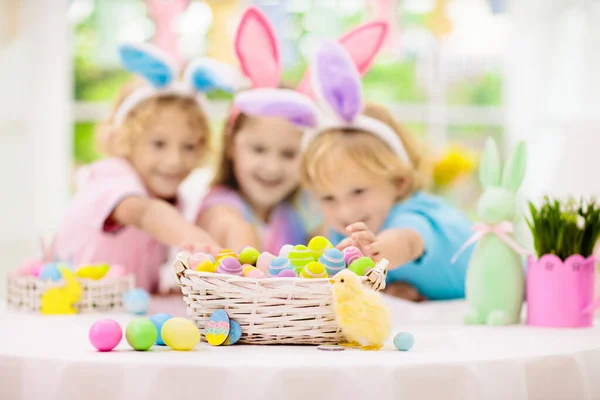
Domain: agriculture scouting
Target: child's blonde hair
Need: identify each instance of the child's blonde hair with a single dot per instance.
(322, 158)
(117, 141)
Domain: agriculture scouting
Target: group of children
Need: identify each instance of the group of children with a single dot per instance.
(283, 149)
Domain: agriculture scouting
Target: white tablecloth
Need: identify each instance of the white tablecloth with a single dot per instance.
(49, 357)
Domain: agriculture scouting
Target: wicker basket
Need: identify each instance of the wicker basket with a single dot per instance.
(269, 311)
(24, 293)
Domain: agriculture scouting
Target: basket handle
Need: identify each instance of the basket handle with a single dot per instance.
(180, 264)
(376, 276)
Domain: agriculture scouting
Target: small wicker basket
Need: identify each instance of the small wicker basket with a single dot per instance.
(24, 293)
(269, 311)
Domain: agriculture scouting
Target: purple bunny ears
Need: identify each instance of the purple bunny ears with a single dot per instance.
(337, 86)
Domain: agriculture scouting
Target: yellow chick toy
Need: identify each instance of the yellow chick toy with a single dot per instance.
(360, 312)
(60, 300)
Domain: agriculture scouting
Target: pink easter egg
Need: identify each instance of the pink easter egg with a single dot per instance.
(256, 273)
(351, 254)
(287, 273)
(36, 270)
(263, 262)
(230, 266)
(116, 271)
(197, 258)
(28, 266)
(105, 334)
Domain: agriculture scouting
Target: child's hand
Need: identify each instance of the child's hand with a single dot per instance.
(207, 248)
(361, 237)
(404, 291)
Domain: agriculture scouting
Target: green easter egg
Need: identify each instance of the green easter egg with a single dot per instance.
(249, 255)
(300, 256)
(141, 334)
(361, 265)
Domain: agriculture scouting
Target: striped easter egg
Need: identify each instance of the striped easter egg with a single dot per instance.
(300, 256)
(333, 260)
(279, 264)
(351, 254)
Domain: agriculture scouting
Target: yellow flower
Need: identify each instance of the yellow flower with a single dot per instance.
(455, 163)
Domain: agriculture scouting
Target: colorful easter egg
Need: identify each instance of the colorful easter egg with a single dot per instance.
(197, 258)
(26, 267)
(264, 261)
(141, 334)
(249, 255)
(116, 271)
(159, 320)
(180, 334)
(217, 327)
(91, 272)
(230, 266)
(287, 273)
(225, 253)
(318, 245)
(206, 266)
(105, 334)
(136, 301)
(256, 273)
(351, 254)
(278, 264)
(247, 268)
(361, 266)
(300, 256)
(235, 333)
(51, 272)
(313, 270)
(102, 270)
(404, 341)
(285, 250)
(333, 260)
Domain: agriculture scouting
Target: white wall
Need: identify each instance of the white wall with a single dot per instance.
(35, 146)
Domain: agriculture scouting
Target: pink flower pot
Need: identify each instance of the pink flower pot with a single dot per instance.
(558, 293)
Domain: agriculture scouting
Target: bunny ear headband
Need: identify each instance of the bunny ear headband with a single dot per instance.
(337, 86)
(162, 74)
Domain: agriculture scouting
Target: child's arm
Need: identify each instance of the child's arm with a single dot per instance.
(229, 228)
(162, 221)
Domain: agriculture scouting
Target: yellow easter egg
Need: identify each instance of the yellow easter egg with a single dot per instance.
(313, 270)
(224, 254)
(247, 268)
(206, 266)
(87, 271)
(318, 245)
(180, 334)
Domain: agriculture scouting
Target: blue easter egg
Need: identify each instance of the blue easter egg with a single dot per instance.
(333, 260)
(278, 264)
(404, 341)
(216, 330)
(235, 332)
(158, 320)
(136, 301)
(50, 271)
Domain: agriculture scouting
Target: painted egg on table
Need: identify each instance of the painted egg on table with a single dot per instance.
(333, 260)
(225, 253)
(136, 301)
(285, 250)
(105, 334)
(264, 261)
(198, 258)
(206, 266)
(313, 270)
(404, 341)
(217, 327)
(141, 334)
(361, 266)
(51, 272)
(235, 333)
(300, 256)
(318, 245)
(287, 273)
(249, 255)
(256, 273)
(230, 266)
(180, 334)
(351, 254)
(159, 320)
(279, 264)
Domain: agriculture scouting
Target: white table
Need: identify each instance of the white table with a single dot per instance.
(44, 357)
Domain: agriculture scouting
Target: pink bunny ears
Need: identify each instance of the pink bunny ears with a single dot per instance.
(337, 85)
(257, 49)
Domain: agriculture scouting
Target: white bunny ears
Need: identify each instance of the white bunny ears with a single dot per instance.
(162, 73)
(337, 86)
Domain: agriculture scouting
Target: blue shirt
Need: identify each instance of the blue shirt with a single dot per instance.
(443, 230)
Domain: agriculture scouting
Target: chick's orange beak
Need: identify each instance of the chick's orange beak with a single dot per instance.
(331, 281)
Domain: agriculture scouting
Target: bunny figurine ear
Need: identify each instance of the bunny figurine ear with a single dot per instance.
(270, 102)
(205, 75)
(514, 171)
(149, 62)
(490, 168)
(337, 82)
(362, 44)
(257, 49)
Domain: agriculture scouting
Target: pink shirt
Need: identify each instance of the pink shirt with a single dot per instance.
(86, 237)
